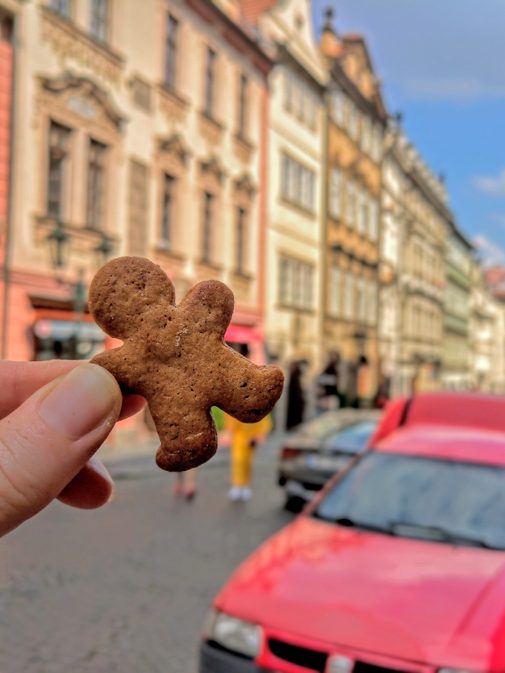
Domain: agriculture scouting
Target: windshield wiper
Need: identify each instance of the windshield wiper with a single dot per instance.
(349, 522)
(439, 534)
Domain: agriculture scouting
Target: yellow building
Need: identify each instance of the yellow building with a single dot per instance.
(356, 126)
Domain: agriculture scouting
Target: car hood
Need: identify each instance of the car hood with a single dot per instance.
(410, 599)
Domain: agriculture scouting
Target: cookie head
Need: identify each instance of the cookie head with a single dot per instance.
(124, 290)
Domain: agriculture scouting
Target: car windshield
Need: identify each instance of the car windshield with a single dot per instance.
(352, 439)
(424, 498)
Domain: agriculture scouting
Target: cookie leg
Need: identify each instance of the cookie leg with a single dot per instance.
(187, 440)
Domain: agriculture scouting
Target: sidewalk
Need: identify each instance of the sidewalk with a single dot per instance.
(139, 462)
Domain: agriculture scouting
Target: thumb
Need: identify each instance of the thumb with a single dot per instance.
(46, 441)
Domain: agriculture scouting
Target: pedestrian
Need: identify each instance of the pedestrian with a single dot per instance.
(328, 392)
(55, 416)
(245, 438)
(296, 396)
(185, 484)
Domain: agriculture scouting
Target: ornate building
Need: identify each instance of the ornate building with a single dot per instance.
(425, 221)
(137, 132)
(355, 132)
(295, 182)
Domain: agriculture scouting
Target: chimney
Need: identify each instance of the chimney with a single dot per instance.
(329, 43)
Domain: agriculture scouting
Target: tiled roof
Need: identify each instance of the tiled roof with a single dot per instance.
(252, 9)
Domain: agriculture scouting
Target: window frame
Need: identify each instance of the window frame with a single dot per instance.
(210, 82)
(173, 26)
(96, 190)
(100, 10)
(63, 169)
(209, 200)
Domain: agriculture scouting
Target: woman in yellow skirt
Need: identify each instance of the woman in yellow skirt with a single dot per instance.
(244, 438)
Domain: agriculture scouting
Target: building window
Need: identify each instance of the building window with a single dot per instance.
(348, 295)
(373, 219)
(210, 82)
(167, 211)
(351, 203)
(62, 7)
(99, 20)
(338, 107)
(296, 283)
(242, 106)
(171, 51)
(208, 216)
(361, 299)
(334, 306)
(59, 153)
(362, 211)
(96, 184)
(353, 122)
(335, 197)
(240, 241)
(372, 303)
(298, 183)
(366, 135)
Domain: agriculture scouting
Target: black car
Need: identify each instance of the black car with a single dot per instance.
(314, 451)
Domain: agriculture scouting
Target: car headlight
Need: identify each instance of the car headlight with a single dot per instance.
(340, 664)
(234, 634)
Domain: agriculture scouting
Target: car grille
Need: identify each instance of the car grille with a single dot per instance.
(363, 667)
(315, 660)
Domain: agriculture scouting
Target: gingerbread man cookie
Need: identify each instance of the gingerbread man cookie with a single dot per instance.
(175, 356)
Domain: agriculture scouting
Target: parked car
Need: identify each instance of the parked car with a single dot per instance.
(398, 565)
(318, 449)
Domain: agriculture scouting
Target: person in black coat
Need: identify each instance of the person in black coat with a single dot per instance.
(296, 396)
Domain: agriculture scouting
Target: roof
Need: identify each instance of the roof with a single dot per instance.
(448, 442)
(252, 9)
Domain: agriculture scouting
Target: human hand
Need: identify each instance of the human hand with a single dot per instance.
(55, 415)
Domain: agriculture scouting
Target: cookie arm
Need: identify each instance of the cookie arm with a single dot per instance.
(115, 362)
(248, 392)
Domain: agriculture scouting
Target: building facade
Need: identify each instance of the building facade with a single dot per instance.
(355, 132)
(295, 182)
(487, 336)
(457, 368)
(6, 86)
(136, 133)
(394, 185)
(425, 221)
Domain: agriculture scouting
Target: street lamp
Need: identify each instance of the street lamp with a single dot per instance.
(58, 240)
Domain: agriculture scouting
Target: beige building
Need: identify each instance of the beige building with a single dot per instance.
(487, 336)
(422, 214)
(394, 188)
(137, 132)
(295, 181)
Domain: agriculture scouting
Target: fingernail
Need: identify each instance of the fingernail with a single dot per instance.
(81, 401)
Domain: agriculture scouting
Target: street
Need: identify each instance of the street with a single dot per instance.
(126, 588)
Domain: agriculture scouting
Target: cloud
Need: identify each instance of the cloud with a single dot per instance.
(491, 253)
(458, 89)
(495, 186)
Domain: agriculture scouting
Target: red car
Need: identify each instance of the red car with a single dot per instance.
(398, 565)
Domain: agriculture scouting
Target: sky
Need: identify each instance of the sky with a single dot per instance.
(442, 64)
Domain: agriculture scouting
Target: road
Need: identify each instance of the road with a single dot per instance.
(126, 588)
